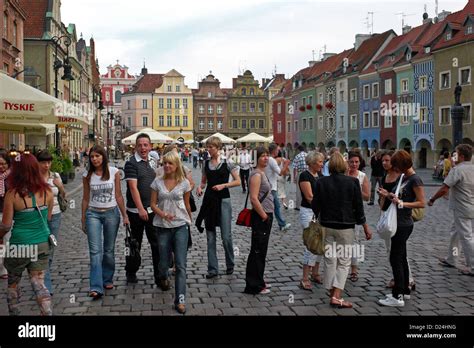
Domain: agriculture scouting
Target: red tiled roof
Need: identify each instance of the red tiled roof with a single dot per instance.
(35, 11)
(148, 83)
(227, 90)
(284, 89)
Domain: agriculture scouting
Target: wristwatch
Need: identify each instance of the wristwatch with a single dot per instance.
(431, 200)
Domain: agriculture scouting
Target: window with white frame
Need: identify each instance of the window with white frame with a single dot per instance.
(261, 124)
(404, 84)
(279, 127)
(296, 105)
(424, 115)
(178, 88)
(243, 107)
(220, 125)
(235, 124)
(201, 109)
(288, 126)
(304, 102)
(145, 121)
(403, 111)
(469, 29)
(185, 121)
(209, 94)
(296, 129)
(388, 120)
(353, 96)
(128, 104)
(423, 83)
(330, 122)
(169, 121)
(320, 122)
(366, 92)
(279, 108)
(161, 103)
(210, 125)
(375, 119)
(330, 98)
(354, 121)
(341, 95)
(465, 76)
(467, 114)
(310, 100)
(244, 124)
(169, 101)
(161, 121)
(445, 80)
(445, 116)
(252, 107)
(145, 104)
(129, 121)
(261, 107)
(321, 99)
(176, 121)
(252, 124)
(235, 107)
(176, 103)
(169, 88)
(210, 110)
(388, 86)
(219, 109)
(341, 121)
(305, 124)
(375, 90)
(449, 35)
(252, 91)
(366, 120)
(185, 103)
(201, 124)
(310, 121)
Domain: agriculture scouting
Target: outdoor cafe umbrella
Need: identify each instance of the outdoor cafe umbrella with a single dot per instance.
(253, 138)
(155, 137)
(222, 137)
(24, 105)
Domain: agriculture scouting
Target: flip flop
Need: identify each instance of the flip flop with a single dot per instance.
(109, 287)
(316, 279)
(306, 287)
(354, 276)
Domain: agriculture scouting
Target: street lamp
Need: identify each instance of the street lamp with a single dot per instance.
(58, 64)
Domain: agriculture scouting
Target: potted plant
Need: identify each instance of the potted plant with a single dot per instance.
(319, 107)
(309, 107)
(302, 108)
(329, 105)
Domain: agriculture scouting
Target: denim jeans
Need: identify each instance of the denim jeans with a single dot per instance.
(102, 228)
(226, 234)
(276, 202)
(54, 226)
(175, 240)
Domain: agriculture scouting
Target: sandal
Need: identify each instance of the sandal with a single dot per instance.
(340, 303)
(109, 287)
(354, 276)
(95, 295)
(306, 285)
(316, 279)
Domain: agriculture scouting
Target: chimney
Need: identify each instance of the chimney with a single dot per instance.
(426, 18)
(359, 39)
(442, 16)
(328, 55)
(406, 29)
(311, 63)
(265, 82)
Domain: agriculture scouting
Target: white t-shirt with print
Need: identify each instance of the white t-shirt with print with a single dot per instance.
(273, 172)
(102, 193)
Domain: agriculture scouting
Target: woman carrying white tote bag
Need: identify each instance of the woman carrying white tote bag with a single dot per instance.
(387, 224)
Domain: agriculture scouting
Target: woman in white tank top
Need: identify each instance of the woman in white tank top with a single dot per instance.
(354, 163)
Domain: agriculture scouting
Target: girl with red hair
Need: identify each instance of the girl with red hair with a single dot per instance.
(29, 202)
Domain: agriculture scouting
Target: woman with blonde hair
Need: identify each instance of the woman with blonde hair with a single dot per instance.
(170, 203)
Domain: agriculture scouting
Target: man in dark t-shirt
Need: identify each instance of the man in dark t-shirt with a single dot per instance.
(140, 171)
(377, 174)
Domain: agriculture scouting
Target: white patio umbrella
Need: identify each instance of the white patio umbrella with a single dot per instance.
(253, 138)
(25, 105)
(224, 139)
(155, 137)
(271, 138)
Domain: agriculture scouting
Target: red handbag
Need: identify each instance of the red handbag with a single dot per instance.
(244, 217)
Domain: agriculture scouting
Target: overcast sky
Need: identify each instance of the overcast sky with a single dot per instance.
(227, 37)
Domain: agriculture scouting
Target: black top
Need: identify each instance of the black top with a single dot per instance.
(338, 202)
(407, 194)
(144, 174)
(307, 176)
(218, 176)
(390, 187)
(377, 167)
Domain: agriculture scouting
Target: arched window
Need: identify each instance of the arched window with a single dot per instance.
(118, 97)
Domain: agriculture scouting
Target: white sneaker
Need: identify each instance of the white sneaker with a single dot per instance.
(265, 291)
(285, 228)
(393, 302)
(405, 297)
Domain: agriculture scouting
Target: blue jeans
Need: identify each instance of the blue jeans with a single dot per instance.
(102, 228)
(276, 202)
(176, 240)
(226, 234)
(54, 225)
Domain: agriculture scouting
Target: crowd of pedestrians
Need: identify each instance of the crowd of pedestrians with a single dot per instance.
(159, 202)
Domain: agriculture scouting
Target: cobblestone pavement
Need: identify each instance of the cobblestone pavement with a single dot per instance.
(440, 291)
